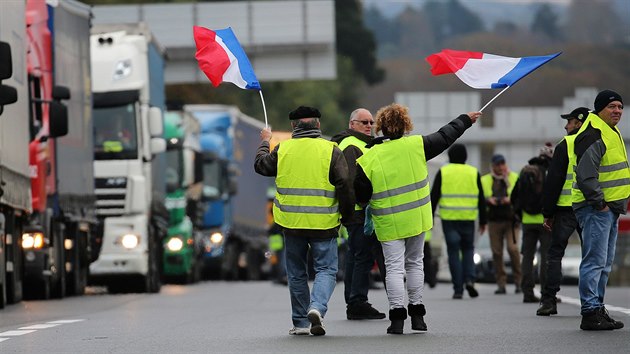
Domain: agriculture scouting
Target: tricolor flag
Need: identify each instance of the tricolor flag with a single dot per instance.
(483, 70)
(222, 58)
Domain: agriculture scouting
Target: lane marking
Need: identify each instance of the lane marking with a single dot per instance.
(574, 301)
(16, 333)
(3, 339)
(41, 326)
(34, 328)
(64, 321)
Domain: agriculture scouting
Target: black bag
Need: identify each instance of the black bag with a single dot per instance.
(530, 186)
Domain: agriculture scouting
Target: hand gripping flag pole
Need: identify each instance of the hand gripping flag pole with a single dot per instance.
(483, 70)
(222, 59)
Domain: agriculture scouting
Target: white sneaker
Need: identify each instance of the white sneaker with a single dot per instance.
(317, 326)
(297, 331)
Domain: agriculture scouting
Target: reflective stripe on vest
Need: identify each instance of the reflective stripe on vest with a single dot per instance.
(565, 195)
(614, 173)
(529, 219)
(305, 198)
(353, 141)
(459, 198)
(400, 204)
(487, 180)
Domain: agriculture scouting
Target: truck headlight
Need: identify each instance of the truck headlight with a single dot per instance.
(216, 237)
(130, 241)
(122, 69)
(477, 258)
(175, 244)
(32, 240)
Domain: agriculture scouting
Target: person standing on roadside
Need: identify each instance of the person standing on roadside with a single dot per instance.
(558, 214)
(312, 193)
(361, 247)
(599, 195)
(458, 191)
(393, 177)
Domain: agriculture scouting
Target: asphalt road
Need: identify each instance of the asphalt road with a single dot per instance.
(254, 317)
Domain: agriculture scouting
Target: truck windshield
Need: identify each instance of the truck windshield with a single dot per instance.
(213, 178)
(115, 135)
(174, 169)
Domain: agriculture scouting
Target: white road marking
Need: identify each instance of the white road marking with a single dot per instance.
(34, 328)
(16, 333)
(41, 326)
(64, 321)
(3, 339)
(574, 301)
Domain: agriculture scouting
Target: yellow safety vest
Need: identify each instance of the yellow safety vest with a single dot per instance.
(354, 141)
(614, 173)
(565, 195)
(305, 198)
(486, 183)
(459, 192)
(400, 204)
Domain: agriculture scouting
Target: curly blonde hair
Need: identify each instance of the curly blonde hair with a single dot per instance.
(393, 120)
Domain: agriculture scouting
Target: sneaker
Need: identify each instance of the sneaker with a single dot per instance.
(458, 296)
(363, 311)
(595, 321)
(317, 325)
(531, 298)
(616, 324)
(547, 308)
(500, 290)
(470, 287)
(298, 331)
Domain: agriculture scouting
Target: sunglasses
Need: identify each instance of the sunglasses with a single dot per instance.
(364, 122)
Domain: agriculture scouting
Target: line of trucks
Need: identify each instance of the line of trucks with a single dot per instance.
(99, 182)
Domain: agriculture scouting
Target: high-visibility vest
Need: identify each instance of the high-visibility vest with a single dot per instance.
(487, 180)
(532, 219)
(614, 173)
(459, 198)
(565, 195)
(305, 198)
(353, 141)
(400, 203)
(276, 242)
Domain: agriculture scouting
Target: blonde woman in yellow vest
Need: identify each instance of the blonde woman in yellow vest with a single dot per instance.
(600, 194)
(393, 177)
(457, 190)
(313, 195)
(362, 249)
(558, 214)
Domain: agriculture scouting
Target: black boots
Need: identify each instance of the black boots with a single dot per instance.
(547, 307)
(398, 317)
(417, 312)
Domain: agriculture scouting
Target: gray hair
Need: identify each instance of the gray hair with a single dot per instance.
(305, 123)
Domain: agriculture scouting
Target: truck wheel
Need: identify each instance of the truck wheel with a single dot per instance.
(229, 266)
(38, 290)
(14, 254)
(153, 281)
(59, 286)
(253, 263)
(77, 278)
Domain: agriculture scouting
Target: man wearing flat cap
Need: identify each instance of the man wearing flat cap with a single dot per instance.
(599, 195)
(557, 209)
(313, 194)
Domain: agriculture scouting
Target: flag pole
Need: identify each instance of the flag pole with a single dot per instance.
(264, 108)
(494, 98)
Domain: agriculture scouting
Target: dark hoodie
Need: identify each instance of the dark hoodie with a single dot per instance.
(541, 162)
(352, 153)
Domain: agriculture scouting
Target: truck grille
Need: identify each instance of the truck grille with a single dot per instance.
(110, 196)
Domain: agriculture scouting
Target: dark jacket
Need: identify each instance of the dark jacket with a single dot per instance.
(434, 144)
(266, 164)
(352, 153)
(556, 176)
(590, 148)
(543, 164)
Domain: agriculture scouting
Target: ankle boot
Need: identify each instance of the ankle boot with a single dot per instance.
(417, 313)
(398, 317)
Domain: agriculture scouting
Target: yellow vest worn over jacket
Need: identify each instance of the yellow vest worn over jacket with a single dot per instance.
(565, 195)
(459, 198)
(400, 203)
(486, 183)
(614, 173)
(354, 141)
(305, 198)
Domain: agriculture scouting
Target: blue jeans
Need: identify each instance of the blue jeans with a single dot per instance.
(460, 246)
(325, 264)
(599, 236)
(359, 262)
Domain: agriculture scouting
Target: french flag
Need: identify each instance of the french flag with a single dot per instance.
(222, 59)
(483, 70)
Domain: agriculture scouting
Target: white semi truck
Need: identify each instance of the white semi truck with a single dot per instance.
(128, 100)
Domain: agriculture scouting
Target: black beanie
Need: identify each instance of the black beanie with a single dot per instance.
(604, 98)
(304, 112)
(457, 154)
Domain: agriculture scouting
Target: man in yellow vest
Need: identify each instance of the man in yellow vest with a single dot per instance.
(457, 188)
(600, 194)
(362, 248)
(393, 177)
(313, 193)
(497, 188)
(557, 211)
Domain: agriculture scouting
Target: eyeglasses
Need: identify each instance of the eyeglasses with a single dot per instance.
(364, 122)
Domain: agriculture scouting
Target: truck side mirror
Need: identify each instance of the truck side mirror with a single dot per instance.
(61, 93)
(58, 119)
(8, 95)
(156, 123)
(6, 67)
(158, 145)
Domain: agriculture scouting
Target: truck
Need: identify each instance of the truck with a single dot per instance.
(56, 240)
(234, 226)
(128, 105)
(184, 176)
(15, 184)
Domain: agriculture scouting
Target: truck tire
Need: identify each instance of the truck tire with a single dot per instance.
(153, 281)
(14, 254)
(3, 279)
(76, 279)
(254, 261)
(58, 281)
(229, 265)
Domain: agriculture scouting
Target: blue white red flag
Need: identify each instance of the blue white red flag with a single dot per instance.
(483, 70)
(222, 59)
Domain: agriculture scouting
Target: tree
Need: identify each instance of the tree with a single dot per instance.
(451, 18)
(546, 22)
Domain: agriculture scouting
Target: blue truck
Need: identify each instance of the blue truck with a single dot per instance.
(235, 218)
